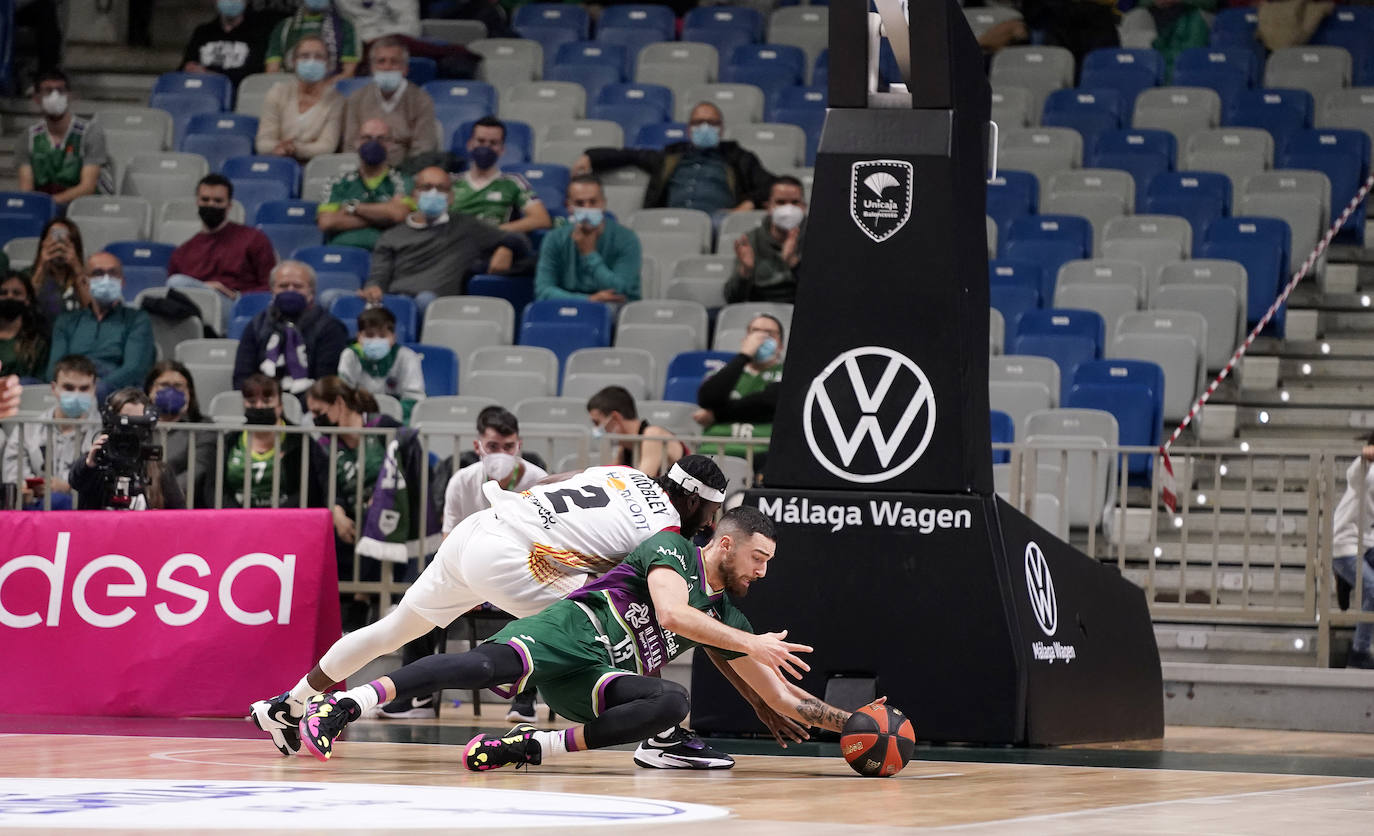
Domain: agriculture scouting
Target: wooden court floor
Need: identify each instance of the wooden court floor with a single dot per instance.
(1195, 781)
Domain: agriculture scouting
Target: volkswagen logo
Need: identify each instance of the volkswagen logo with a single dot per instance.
(1040, 587)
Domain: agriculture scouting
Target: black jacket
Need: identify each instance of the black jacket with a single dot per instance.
(325, 339)
(94, 495)
(748, 178)
(714, 394)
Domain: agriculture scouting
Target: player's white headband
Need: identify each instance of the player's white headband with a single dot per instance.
(691, 484)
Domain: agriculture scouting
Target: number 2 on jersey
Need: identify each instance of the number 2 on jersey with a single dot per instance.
(584, 498)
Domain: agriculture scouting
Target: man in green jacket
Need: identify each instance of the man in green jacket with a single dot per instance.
(592, 257)
(116, 337)
(768, 256)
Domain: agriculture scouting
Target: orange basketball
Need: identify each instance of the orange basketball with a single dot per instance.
(877, 741)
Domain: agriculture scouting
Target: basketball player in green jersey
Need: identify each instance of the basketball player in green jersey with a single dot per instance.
(591, 654)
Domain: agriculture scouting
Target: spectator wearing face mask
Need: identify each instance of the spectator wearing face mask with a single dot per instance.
(302, 118)
(23, 330)
(407, 109)
(253, 454)
(293, 341)
(230, 258)
(433, 251)
(315, 19)
(172, 390)
(485, 192)
(768, 257)
(28, 447)
(233, 44)
(62, 155)
(740, 398)
(498, 448)
(359, 204)
(117, 338)
(375, 362)
(591, 257)
(705, 173)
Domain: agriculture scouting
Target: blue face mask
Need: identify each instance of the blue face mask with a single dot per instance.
(767, 350)
(310, 70)
(376, 349)
(106, 289)
(388, 80)
(433, 203)
(229, 8)
(704, 135)
(588, 216)
(76, 404)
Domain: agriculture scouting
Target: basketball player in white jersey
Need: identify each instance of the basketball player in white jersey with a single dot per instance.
(524, 553)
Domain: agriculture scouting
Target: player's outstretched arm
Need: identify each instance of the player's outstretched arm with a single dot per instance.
(788, 699)
(782, 727)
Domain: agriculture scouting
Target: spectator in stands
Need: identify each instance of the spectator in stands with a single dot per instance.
(63, 155)
(293, 341)
(57, 268)
(172, 390)
(302, 118)
(498, 450)
(767, 257)
(612, 412)
(740, 398)
(252, 454)
(160, 490)
(233, 44)
(430, 254)
(24, 333)
(1352, 548)
(116, 337)
(399, 20)
(230, 258)
(1079, 26)
(485, 192)
(705, 173)
(1180, 25)
(318, 19)
(407, 109)
(359, 204)
(73, 386)
(376, 363)
(591, 257)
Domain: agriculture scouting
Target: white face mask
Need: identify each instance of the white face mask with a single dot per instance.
(55, 103)
(787, 216)
(498, 466)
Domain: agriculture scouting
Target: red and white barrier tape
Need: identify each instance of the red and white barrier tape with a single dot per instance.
(1168, 489)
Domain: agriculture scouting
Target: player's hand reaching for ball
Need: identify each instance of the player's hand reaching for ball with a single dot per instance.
(771, 650)
(782, 727)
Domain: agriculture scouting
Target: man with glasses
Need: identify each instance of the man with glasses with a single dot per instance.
(705, 173)
(359, 204)
(117, 338)
(407, 110)
(431, 253)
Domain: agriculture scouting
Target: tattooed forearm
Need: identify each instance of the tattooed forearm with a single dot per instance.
(817, 713)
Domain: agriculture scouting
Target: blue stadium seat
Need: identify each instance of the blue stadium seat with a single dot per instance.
(333, 258)
(592, 52)
(1049, 255)
(287, 238)
(660, 19)
(1133, 392)
(629, 38)
(137, 253)
(1127, 81)
(281, 211)
(1359, 42)
(253, 193)
(725, 17)
(724, 39)
(1243, 21)
(1343, 155)
(1193, 182)
(809, 119)
(197, 84)
(1199, 209)
(182, 106)
(347, 308)
(422, 70)
(820, 71)
(265, 167)
(593, 77)
(1116, 58)
(651, 95)
(1090, 112)
(661, 135)
(799, 97)
(451, 115)
(555, 15)
(1070, 228)
(1228, 81)
(450, 92)
(217, 148)
(1142, 153)
(772, 79)
(1013, 300)
(549, 181)
(348, 86)
(1131, 140)
(686, 371)
(1282, 113)
(1003, 432)
(23, 214)
(439, 365)
(518, 290)
(1068, 336)
(336, 280)
(1012, 194)
(250, 304)
(138, 279)
(597, 316)
(223, 124)
(771, 55)
(630, 117)
(549, 38)
(1205, 57)
(1015, 272)
(562, 338)
(1261, 245)
(519, 142)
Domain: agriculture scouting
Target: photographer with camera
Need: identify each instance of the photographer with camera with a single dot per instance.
(123, 469)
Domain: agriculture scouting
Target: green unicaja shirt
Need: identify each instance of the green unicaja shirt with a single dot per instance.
(57, 166)
(353, 185)
(495, 202)
(749, 383)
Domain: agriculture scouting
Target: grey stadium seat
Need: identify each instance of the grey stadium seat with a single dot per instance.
(738, 316)
(1097, 209)
(997, 332)
(1019, 398)
(508, 61)
(1091, 475)
(253, 92)
(178, 220)
(624, 189)
(1219, 305)
(618, 361)
(565, 410)
(1011, 108)
(693, 223)
(733, 226)
(667, 312)
(1294, 181)
(21, 252)
(1039, 69)
(1042, 151)
(569, 97)
(1178, 353)
(664, 342)
(1236, 152)
(1109, 300)
(564, 143)
(453, 31)
(227, 408)
(208, 351)
(807, 27)
(510, 374)
(169, 175)
(322, 169)
(1104, 271)
(1301, 211)
(555, 442)
(208, 301)
(778, 146)
(1031, 368)
(474, 309)
(1094, 181)
(1316, 69)
(739, 103)
(677, 65)
(983, 18)
(672, 415)
(104, 219)
(1179, 110)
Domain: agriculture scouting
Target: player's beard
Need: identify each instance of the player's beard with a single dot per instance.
(735, 582)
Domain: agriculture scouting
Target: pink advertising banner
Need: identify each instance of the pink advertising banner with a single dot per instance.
(162, 613)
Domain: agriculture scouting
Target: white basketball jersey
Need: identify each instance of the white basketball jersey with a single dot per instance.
(590, 521)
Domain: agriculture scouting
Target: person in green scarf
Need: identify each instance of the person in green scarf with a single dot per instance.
(376, 363)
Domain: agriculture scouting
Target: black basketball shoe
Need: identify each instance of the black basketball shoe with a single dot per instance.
(325, 718)
(680, 748)
(278, 718)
